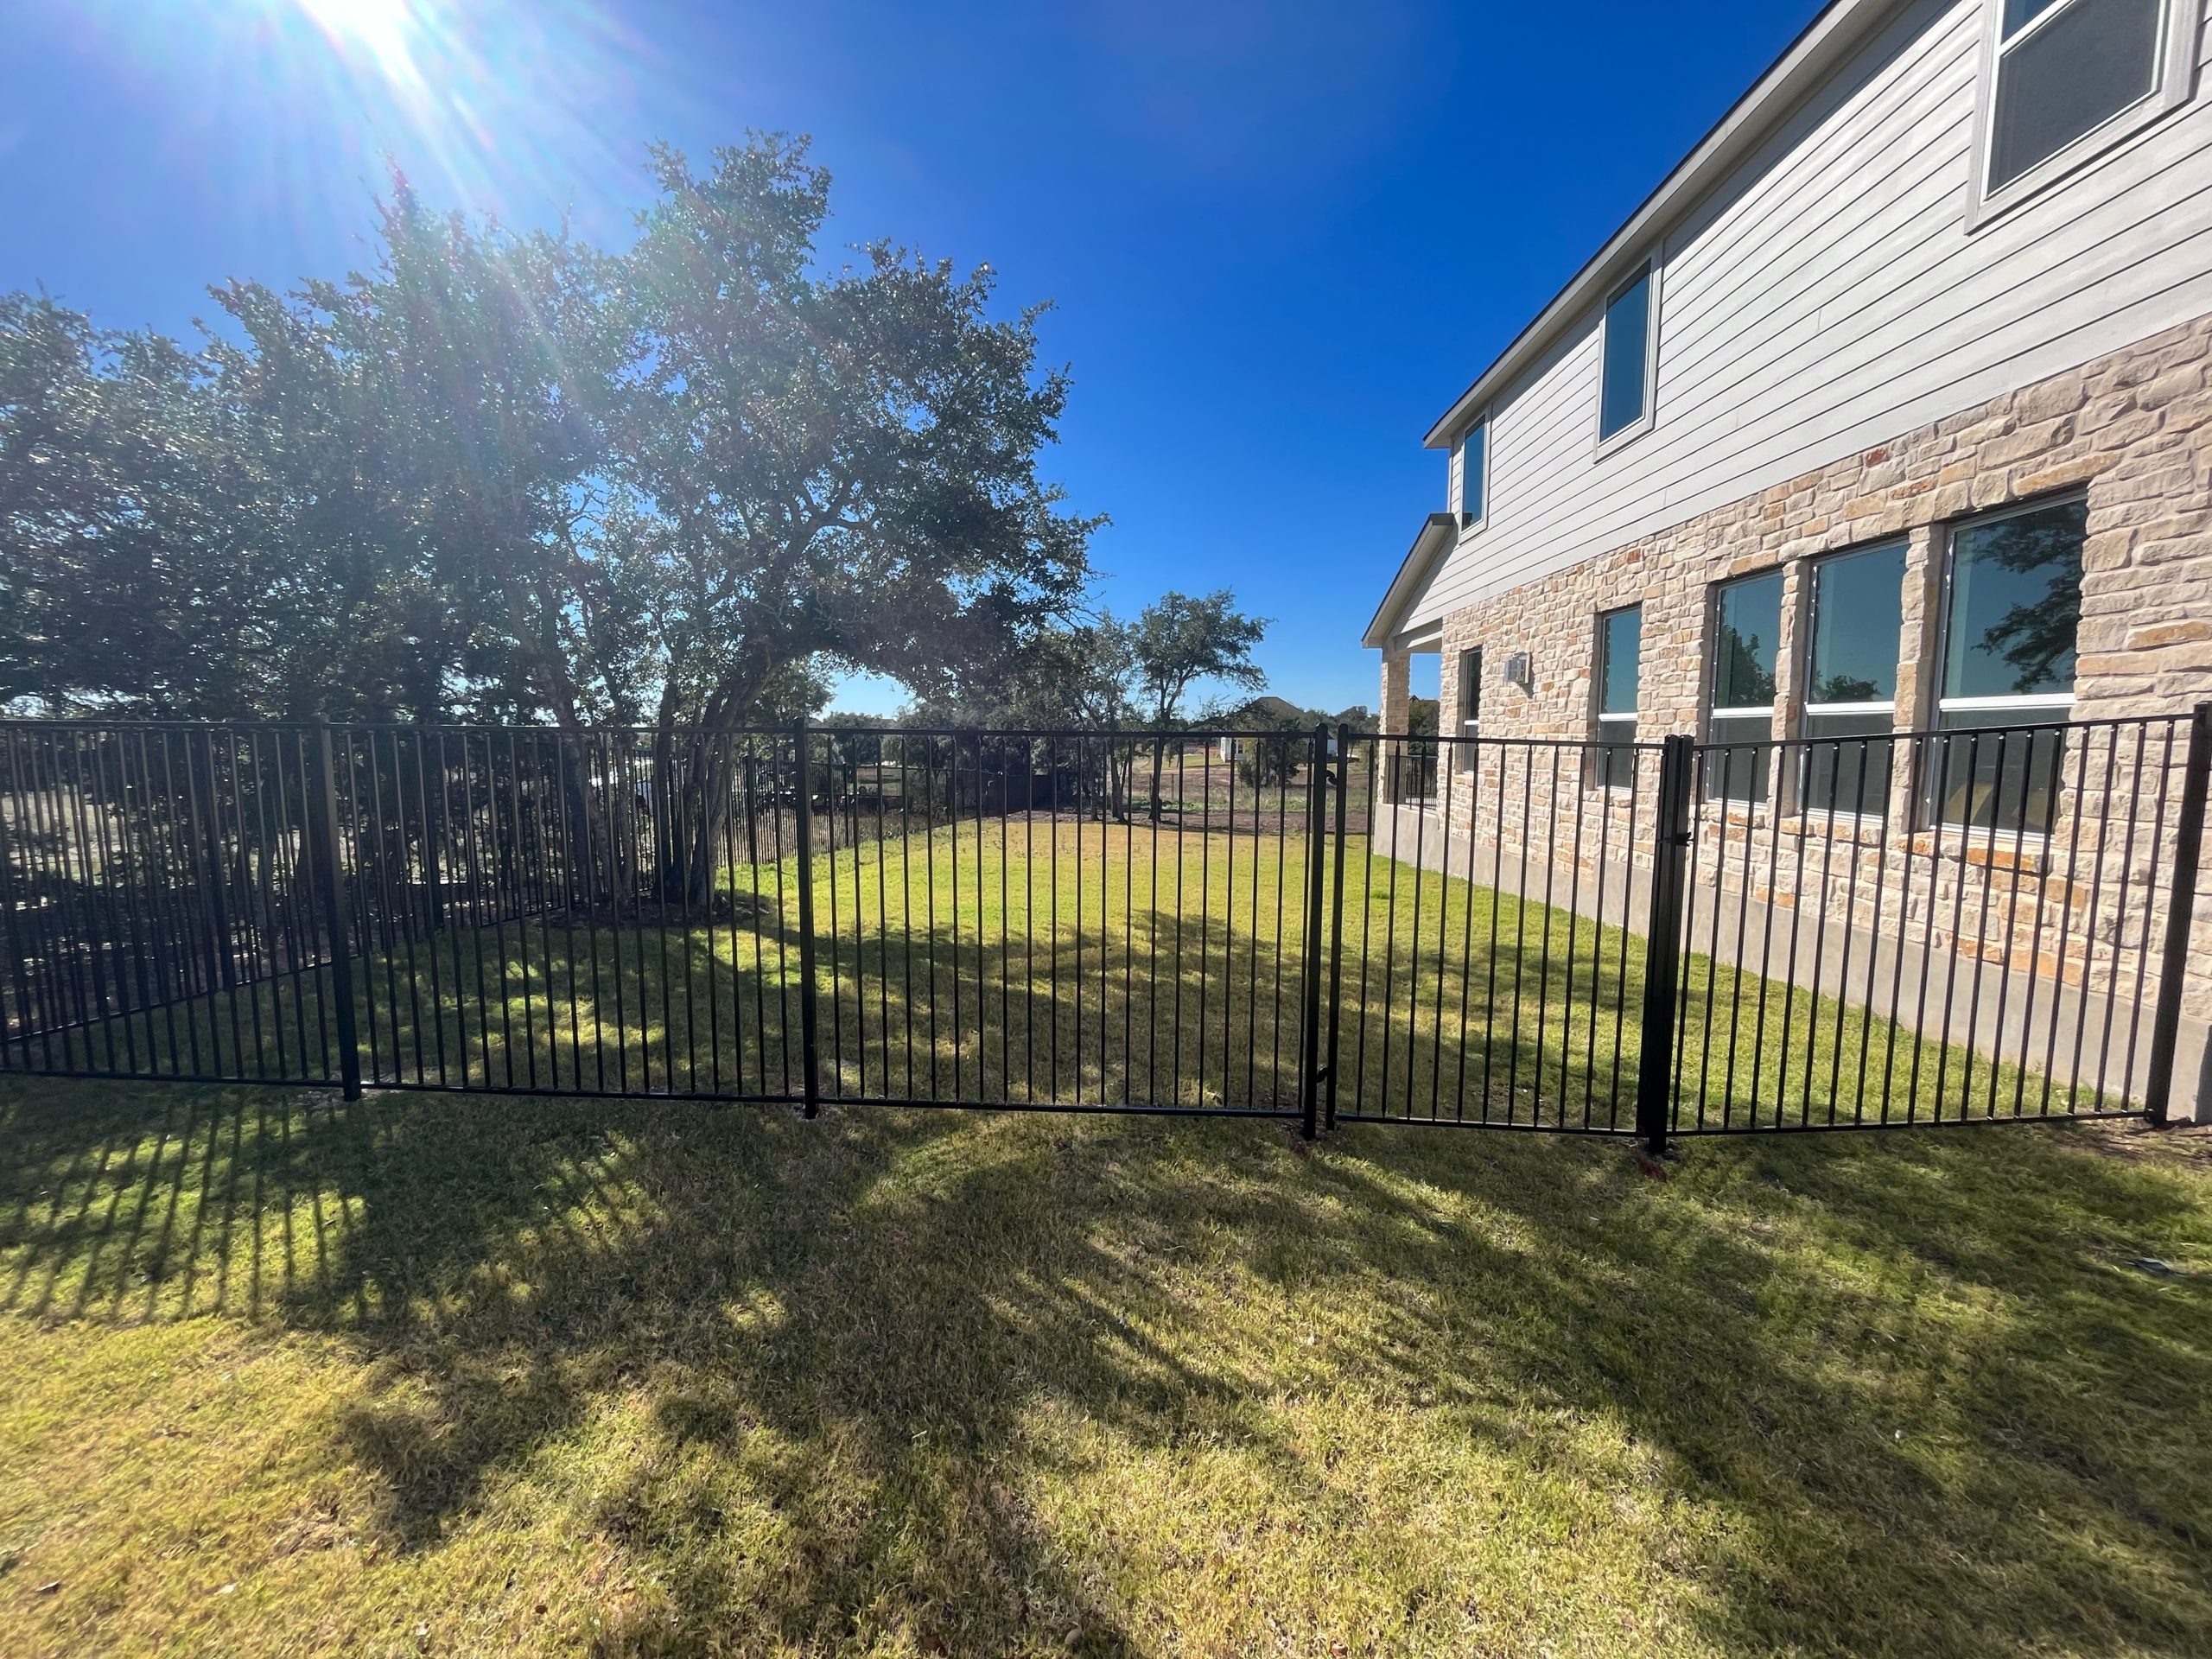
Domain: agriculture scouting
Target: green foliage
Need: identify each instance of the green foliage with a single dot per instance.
(127, 564)
(1264, 762)
(515, 477)
(841, 465)
(1179, 640)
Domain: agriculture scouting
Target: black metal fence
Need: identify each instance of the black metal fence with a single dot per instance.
(1656, 939)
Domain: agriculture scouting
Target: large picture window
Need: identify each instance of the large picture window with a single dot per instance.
(1855, 624)
(2011, 605)
(2067, 70)
(1620, 649)
(1747, 626)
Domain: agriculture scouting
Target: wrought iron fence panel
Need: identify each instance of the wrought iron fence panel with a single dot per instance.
(161, 918)
(1643, 940)
(1941, 927)
(1494, 889)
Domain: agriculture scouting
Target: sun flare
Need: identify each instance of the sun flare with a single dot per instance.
(382, 30)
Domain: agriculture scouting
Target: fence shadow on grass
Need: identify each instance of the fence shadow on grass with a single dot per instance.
(1849, 1398)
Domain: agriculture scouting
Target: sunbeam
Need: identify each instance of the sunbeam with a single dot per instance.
(382, 31)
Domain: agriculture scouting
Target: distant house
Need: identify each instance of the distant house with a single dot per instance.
(1257, 715)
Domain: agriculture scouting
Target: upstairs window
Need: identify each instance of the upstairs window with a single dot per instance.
(1625, 391)
(1620, 646)
(1747, 626)
(1474, 453)
(2067, 70)
(1851, 679)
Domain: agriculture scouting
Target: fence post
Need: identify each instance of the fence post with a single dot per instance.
(1317, 805)
(2181, 914)
(1662, 943)
(1336, 919)
(336, 913)
(810, 1050)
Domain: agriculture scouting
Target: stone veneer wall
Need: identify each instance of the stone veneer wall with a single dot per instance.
(2133, 430)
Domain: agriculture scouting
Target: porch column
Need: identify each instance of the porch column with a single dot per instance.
(1397, 687)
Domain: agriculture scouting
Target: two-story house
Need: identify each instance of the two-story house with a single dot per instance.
(1889, 410)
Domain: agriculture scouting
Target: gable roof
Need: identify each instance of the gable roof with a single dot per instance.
(1824, 44)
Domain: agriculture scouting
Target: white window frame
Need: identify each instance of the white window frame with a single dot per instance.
(1807, 709)
(2058, 705)
(2171, 84)
(1648, 267)
(1599, 665)
(2032, 702)
(1807, 705)
(1757, 711)
(1469, 730)
(1471, 523)
(1753, 711)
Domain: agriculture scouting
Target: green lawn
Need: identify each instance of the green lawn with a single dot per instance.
(1042, 960)
(451, 1375)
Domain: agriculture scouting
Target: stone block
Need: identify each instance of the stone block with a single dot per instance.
(1990, 490)
(2060, 395)
(2173, 549)
(2057, 474)
(2188, 631)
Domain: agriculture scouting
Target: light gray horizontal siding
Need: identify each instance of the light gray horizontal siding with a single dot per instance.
(1829, 295)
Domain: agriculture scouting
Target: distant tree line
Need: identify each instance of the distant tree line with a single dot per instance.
(1111, 674)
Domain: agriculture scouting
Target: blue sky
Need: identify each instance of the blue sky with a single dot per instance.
(1280, 237)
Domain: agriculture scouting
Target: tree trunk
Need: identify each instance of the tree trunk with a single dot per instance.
(694, 776)
(708, 789)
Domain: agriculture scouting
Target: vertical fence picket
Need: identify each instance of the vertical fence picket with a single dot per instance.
(1336, 922)
(1309, 1060)
(808, 1014)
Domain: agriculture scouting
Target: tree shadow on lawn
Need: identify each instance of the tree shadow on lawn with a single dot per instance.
(1903, 1385)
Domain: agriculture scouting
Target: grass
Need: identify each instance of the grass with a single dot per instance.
(467, 1375)
(1035, 960)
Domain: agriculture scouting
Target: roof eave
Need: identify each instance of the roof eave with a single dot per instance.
(1822, 44)
(1438, 532)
